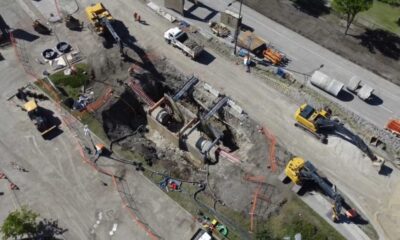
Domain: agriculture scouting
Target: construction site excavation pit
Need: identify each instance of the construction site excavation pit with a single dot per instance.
(182, 128)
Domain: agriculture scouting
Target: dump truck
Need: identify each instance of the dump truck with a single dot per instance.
(319, 123)
(37, 116)
(260, 47)
(252, 42)
(363, 91)
(300, 171)
(179, 39)
(326, 83)
(393, 126)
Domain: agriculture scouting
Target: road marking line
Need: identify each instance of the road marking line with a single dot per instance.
(387, 109)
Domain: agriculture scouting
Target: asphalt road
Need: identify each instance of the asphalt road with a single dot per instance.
(307, 56)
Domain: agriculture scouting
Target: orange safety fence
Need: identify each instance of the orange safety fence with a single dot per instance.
(255, 179)
(271, 152)
(100, 101)
(253, 206)
(69, 120)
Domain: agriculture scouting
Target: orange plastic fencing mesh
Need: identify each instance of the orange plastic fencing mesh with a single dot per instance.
(253, 206)
(271, 152)
(100, 101)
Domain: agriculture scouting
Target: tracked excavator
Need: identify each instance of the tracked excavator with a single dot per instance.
(300, 171)
(319, 123)
(100, 21)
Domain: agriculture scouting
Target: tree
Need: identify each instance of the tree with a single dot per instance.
(19, 223)
(351, 8)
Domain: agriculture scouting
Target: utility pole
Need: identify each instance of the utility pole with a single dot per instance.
(239, 22)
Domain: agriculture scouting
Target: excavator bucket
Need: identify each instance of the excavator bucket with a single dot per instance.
(378, 162)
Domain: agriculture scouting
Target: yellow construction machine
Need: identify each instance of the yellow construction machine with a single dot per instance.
(320, 123)
(308, 119)
(96, 15)
(300, 171)
(38, 117)
(100, 22)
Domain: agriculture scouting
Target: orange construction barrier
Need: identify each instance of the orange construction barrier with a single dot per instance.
(394, 126)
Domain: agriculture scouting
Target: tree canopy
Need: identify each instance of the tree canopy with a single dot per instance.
(351, 8)
(19, 223)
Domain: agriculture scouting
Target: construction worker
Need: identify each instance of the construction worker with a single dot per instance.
(247, 62)
(99, 148)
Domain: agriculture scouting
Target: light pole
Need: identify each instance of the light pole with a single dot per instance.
(238, 23)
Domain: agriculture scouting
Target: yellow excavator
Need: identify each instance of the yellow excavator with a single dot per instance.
(300, 171)
(100, 21)
(319, 123)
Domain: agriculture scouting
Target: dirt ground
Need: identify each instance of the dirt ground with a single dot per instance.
(374, 49)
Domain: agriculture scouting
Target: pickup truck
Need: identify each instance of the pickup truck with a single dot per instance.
(181, 40)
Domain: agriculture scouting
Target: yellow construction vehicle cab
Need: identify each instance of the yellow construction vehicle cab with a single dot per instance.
(30, 106)
(95, 14)
(306, 115)
(293, 168)
(299, 171)
(306, 118)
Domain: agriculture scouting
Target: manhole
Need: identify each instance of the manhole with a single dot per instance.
(49, 54)
(63, 47)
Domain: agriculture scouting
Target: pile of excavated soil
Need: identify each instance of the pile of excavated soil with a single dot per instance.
(190, 43)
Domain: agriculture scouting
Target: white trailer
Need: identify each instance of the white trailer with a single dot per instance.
(178, 38)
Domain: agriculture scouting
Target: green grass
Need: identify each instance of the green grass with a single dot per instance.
(296, 217)
(72, 83)
(384, 15)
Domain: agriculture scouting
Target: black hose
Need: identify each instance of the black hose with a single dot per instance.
(139, 128)
(242, 233)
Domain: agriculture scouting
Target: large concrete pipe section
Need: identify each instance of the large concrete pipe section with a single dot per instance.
(161, 115)
(207, 148)
(326, 83)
